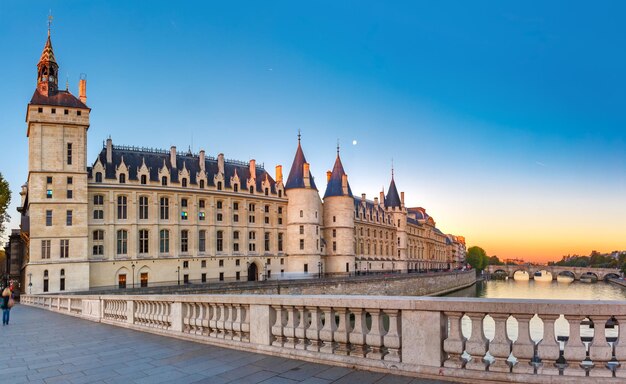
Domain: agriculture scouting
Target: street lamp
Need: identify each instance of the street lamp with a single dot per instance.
(133, 266)
(178, 273)
(30, 284)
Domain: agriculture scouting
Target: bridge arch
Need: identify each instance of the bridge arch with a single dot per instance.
(611, 275)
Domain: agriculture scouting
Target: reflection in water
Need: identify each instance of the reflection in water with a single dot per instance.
(511, 289)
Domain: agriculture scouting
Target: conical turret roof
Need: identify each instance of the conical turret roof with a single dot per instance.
(296, 174)
(335, 184)
(392, 199)
(47, 55)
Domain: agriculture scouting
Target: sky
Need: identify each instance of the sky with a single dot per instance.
(505, 120)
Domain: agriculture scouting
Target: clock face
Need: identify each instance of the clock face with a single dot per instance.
(51, 78)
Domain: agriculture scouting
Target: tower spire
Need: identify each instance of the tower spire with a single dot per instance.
(299, 135)
(337, 147)
(47, 68)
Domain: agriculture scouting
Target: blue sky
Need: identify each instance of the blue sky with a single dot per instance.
(505, 120)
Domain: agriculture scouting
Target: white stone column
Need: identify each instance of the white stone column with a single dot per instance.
(374, 338)
(358, 346)
(500, 346)
(600, 351)
(302, 326)
(523, 347)
(575, 351)
(341, 336)
(326, 333)
(393, 338)
(277, 328)
(313, 331)
(454, 344)
(476, 345)
(548, 349)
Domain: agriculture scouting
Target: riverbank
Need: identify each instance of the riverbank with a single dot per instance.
(620, 282)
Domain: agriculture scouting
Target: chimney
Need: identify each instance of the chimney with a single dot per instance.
(328, 174)
(306, 174)
(253, 169)
(109, 150)
(201, 159)
(220, 163)
(402, 198)
(344, 184)
(382, 198)
(82, 89)
(279, 174)
(173, 156)
(376, 201)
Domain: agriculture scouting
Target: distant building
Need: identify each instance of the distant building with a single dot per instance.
(140, 216)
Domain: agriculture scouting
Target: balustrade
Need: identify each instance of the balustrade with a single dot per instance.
(388, 333)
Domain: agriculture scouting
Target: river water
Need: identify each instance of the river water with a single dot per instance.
(531, 289)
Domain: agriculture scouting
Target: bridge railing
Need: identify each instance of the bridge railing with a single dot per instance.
(533, 341)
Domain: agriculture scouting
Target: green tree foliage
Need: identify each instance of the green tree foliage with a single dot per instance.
(5, 200)
(494, 260)
(477, 258)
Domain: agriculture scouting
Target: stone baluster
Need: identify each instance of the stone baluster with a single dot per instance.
(289, 330)
(228, 321)
(341, 336)
(191, 312)
(548, 349)
(326, 333)
(302, 326)
(313, 330)
(524, 346)
(620, 346)
(500, 346)
(575, 351)
(374, 337)
(358, 346)
(392, 339)
(454, 344)
(236, 324)
(245, 323)
(206, 316)
(221, 332)
(476, 345)
(215, 315)
(277, 328)
(600, 350)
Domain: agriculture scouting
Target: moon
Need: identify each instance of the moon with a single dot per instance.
(354, 142)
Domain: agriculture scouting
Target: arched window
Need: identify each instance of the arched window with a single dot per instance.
(98, 177)
(164, 180)
(122, 178)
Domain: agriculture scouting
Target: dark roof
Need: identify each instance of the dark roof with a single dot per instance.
(60, 98)
(392, 199)
(335, 184)
(370, 207)
(296, 174)
(133, 158)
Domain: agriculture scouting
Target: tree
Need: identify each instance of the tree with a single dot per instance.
(5, 200)
(477, 258)
(494, 260)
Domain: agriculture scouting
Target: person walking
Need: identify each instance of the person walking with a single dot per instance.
(7, 303)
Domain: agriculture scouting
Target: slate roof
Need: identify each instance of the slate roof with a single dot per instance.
(47, 55)
(370, 207)
(133, 158)
(60, 98)
(296, 174)
(335, 184)
(392, 199)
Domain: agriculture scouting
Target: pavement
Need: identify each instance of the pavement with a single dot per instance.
(40, 346)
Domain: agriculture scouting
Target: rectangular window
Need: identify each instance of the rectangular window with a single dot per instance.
(183, 202)
(164, 241)
(251, 219)
(70, 180)
(202, 241)
(235, 218)
(306, 268)
(267, 241)
(237, 262)
(121, 281)
(121, 208)
(122, 242)
(221, 263)
(203, 264)
(53, 111)
(98, 240)
(143, 279)
(66, 112)
(280, 242)
(201, 203)
(65, 248)
(183, 215)
(45, 249)
(70, 194)
(221, 276)
(235, 247)
(184, 240)
(301, 243)
(165, 208)
(48, 193)
(267, 209)
(68, 218)
(235, 206)
(49, 218)
(219, 204)
(302, 229)
(267, 220)
(98, 202)
(237, 275)
(69, 153)
(185, 277)
(280, 221)
(219, 241)
(143, 207)
(186, 264)
(219, 217)
(201, 216)
(143, 241)
(203, 276)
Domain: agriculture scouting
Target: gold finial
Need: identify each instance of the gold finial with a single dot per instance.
(49, 21)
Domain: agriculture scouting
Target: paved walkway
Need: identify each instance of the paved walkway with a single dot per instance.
(46, 347)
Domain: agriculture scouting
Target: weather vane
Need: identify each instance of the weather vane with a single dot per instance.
(50, 20)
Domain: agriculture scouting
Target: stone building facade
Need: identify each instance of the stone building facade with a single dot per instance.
(139, 216)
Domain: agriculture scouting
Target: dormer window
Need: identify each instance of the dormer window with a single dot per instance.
(219, 185)
(201, 184)
(236, 187)
(184, 183)
(98, 177)
(164, 180)
(122, 178)
(144, 179)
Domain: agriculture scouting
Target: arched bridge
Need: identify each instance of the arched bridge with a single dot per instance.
(575, 272)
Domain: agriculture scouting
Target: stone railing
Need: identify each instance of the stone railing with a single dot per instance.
(509, 340)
